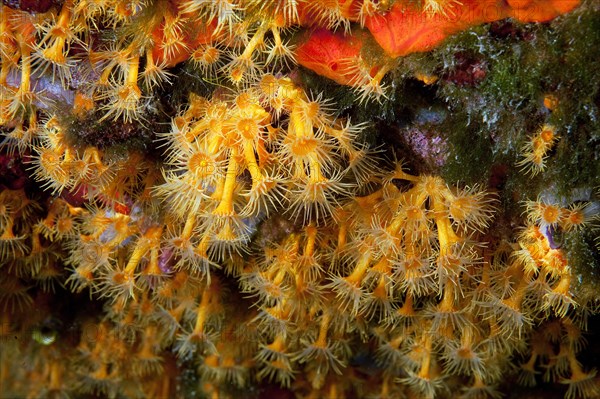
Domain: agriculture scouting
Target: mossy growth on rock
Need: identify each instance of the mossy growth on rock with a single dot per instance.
(494, 80)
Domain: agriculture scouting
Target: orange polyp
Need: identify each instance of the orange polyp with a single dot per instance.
(550, 214)
(547, 134)
(190, 41)
(82, 104)
(551, 102)
(575, 217)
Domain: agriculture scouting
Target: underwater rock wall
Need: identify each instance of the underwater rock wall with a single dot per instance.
(295, 198)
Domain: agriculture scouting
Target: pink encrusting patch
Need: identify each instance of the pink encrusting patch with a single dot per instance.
(325, 53)
(405, 29)
(540, 10)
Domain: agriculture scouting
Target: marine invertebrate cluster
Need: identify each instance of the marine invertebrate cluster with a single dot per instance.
(536, 150)
(399, 266)
(251, 240)
(147, 40)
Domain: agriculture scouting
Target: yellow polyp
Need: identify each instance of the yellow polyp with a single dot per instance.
(172, 44)
(550, 214)
(210, 55)
(272, 272)
(177, 312)
(396, 342)
(264, 156)
(203, 308)
(294, 239)
(92, 155)
(382, 71)
(300, 282)
(311, 234)
(139, 251)
(276, 36)
(446, 235)
(153, 269)
(36, 244)
(279, 277)
(342, 236)
(394, 227)
(225, 207)
(257, 40)
(228, 361)
(251, 163)
(237, 74)
(5, 34)
(304, 146)
(538, 159)
(298, 125)
(407, 308)
(55, 376)
(148, 342)
(122, 9)
(227, 233)
(245, 101)
(321, 341)
(218, 192)
(425, 369)
(400, 174)
(55, 52)
(281, 311)
(8, 233)
(201, 165)
(64, 225)
(564, 284)
(25, 86)
(577, 373)
(368, 202)
(574, 218)
(447, 304)
(202, 247)
(121, 226)
(383, 266)
(315, 175)
(128, 95)
(515, 300)
(101, 373)
(338, 134)
(359, 270)
(248, 129)
(132, 70)
(188, 228)
(104, 78)
(311, 110)
(380, 291)
(217, 138)
(65, 15)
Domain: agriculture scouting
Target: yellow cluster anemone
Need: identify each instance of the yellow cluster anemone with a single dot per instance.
(257, 243)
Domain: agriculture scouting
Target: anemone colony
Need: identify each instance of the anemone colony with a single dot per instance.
(244, 238)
